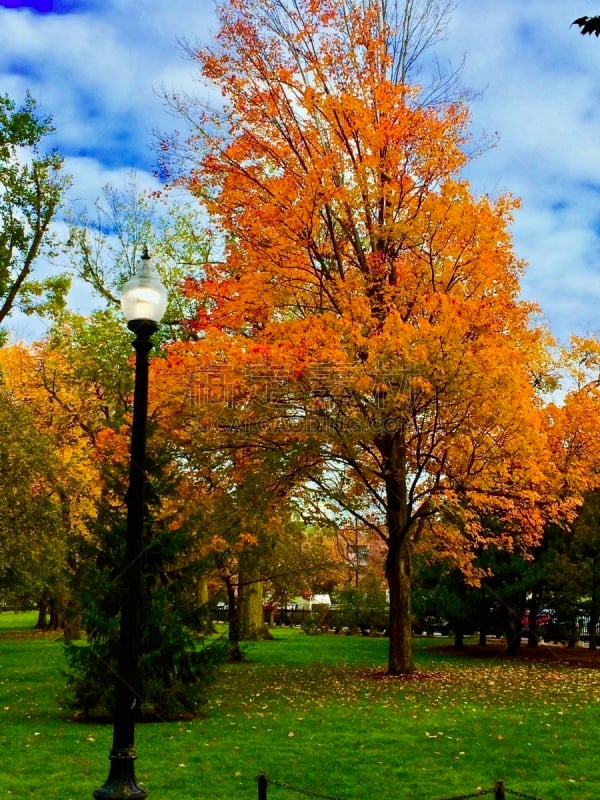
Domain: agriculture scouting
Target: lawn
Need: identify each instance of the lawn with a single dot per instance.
(317, 714)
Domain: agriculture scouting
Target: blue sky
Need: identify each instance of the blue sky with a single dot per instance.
(99, 66)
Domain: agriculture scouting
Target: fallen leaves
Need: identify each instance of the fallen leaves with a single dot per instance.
(465, 689)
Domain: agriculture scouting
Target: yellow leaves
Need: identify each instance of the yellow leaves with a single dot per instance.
(218, 544)
(419, 385)
(245, 540)
(581, 362)
(574, 436)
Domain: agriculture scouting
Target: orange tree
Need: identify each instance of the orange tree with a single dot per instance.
(560, 571)
(365, 296)
(573, 423)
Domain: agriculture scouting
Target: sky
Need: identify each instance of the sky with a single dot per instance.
(100, 67)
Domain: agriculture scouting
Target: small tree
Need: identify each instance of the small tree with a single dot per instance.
(173, 671)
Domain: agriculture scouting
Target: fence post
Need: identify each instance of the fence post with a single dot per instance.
(262, 786)
(499, 791)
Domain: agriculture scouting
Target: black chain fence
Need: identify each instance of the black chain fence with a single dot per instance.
(499, 791)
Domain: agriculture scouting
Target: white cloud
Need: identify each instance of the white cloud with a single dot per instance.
(539, 82)
(90, 176)
(100, 75)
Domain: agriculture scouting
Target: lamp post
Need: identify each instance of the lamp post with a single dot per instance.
(143, 301)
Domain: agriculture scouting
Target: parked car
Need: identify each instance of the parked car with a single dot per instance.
(544, 617)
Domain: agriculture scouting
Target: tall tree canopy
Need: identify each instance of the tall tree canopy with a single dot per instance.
(365, 296)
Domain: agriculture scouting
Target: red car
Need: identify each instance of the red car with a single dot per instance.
(543, 618)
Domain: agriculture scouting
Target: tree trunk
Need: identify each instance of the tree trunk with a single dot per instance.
(252, 621)
(71, 621)
(513, 637)
(398, 574)
(42, 614)
(250, 598)
(233, 618)
(205, 622)
(398, 562)
(55, 621)
(594, 618)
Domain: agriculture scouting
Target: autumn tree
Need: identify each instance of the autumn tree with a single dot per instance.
(79, 381)
(569, 552)
(33, 543)
(573, 421)
(362, 275)
(32, 184)
(528, 579)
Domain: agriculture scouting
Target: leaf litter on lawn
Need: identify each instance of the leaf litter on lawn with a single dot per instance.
(267, 690)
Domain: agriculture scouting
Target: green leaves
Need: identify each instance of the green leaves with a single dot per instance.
(21, 126)
(31, 190)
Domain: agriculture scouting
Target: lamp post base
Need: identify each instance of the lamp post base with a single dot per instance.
(121, 783)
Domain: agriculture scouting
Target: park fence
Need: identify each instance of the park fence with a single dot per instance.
(499, 791)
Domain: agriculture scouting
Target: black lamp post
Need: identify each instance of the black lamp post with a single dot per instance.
(144, 301)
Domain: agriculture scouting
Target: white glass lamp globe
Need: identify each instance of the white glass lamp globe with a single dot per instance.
(144, 297)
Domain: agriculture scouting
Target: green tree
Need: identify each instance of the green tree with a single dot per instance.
(174, 668)
(586, 547)
(32, 185)
(106, 243)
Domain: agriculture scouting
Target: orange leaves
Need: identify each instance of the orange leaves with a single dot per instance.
(575, 440)
(317, 181)
(113, 446)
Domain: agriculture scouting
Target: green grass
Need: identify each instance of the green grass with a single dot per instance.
(318, 713)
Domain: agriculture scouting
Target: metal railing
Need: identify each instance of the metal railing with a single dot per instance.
(499, 791)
